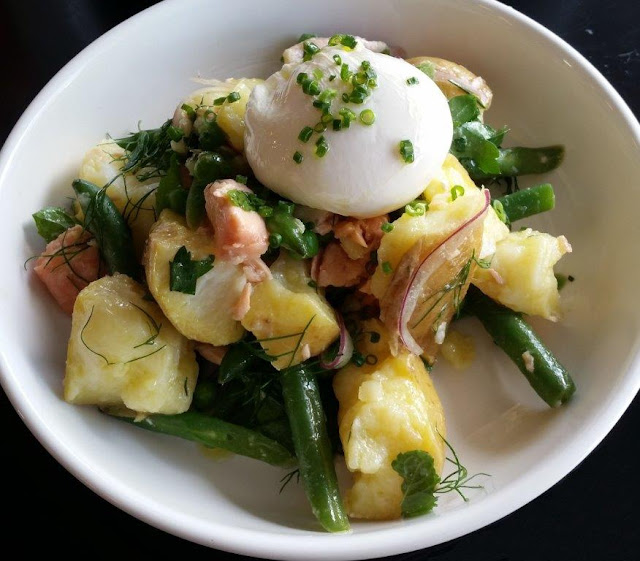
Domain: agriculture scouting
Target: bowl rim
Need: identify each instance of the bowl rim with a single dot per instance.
(310, 545)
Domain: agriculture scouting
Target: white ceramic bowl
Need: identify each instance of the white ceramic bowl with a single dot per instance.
(544, 90)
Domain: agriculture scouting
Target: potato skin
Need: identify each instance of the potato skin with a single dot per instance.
(124, 352)
(205, 316)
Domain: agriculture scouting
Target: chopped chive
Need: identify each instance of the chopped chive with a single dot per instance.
(305, 134)
(190, 111)
(266, 211)
(457, 191)
(416, 208)
(313, 88)
(318, 74)
(298, 157)
(302, 77)
(320, 127)
(345, 73)
(321, 104)
(233, 97)
(387, 269)
(306, 36)
(337, 124)
(348, 41)
(428, 68)
(345, 97)
(326, 118)
(322, 147)
(327, 94)
(412, 81)
(367, 117)
(241, 179)
(406, 151)
(387, 227)
(337, 59)
(309, 50)
(372, 83)
(358, 358)
(332, 77)
(359, 79)
(219, 100)
(502, 215)
(365, 65)
(334, 40)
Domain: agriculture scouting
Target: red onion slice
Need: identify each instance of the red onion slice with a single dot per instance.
(345, 349)
(443, 252)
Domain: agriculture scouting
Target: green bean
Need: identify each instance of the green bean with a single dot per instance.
(237, 361)
(528, 202)
(313, 448)
(294, 235)
(515, 337)
(215, 433)
(113, 236)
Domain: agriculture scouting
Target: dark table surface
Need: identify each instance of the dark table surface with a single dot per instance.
(591, 514)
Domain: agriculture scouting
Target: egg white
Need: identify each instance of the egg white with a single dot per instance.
(363, 173)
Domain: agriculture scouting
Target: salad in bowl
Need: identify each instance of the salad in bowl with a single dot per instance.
(276, 270)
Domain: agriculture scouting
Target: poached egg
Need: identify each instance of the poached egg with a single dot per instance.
(363, 172)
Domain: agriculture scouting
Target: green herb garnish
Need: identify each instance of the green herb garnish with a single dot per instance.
(52, 221)
(184, 272)
(406, 151)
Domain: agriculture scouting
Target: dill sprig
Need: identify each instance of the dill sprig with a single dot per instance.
(288, 477)
(147, 152)
(153, 326)
(459, 478)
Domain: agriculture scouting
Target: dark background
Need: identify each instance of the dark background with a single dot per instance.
(591, 514)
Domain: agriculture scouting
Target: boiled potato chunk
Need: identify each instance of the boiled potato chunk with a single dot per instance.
(291, 320)
(385, 409)
(438, 193)
(230, 116)
(431, 228)
(134, 199)
(205, 316)
(521, 273)
(123, 351)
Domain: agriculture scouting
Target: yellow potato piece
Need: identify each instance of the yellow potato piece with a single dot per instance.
(521, 273)
(385, 409)
(123, 351)
(291, 320)
(230, 116)
(134, 199)
(432, 228)
(205, 316)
